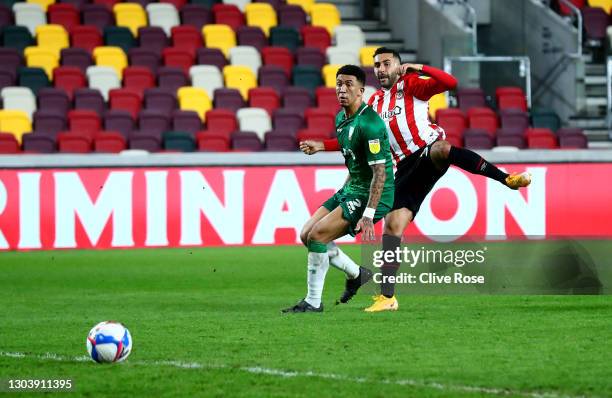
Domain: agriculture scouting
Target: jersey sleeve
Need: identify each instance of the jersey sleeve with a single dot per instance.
(424, 88)
(375, 140)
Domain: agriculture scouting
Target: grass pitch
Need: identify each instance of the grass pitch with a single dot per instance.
(206, 322)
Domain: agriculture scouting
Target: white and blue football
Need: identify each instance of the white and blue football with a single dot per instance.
(109, 342)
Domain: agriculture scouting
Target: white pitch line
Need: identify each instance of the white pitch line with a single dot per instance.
(327, 376)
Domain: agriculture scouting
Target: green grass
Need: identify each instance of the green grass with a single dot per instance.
(220, 308)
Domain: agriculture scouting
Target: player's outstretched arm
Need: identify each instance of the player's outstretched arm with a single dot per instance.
(366, 224)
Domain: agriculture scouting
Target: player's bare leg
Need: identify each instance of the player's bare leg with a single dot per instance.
(443, 154)
(316, 217)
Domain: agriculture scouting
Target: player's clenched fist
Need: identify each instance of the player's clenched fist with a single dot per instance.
(311, 147)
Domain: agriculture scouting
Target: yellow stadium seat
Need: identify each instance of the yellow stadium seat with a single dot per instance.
(110, 56)
(240, 77)
(326, 15)
(130, 15)
(42, 58)
(366, 55)
(52, 37)
(219, 36)
(194, 99)
(436, 102)
(329, 74)
(15, 122)
(43, 3)
(605, 4)
(261, 15)
(305, 4)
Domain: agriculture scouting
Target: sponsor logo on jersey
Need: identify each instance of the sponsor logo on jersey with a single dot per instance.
(353, 204)
(388, 115)
(374, 146)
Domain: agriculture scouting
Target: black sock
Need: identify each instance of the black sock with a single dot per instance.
(389, 243)
(474, 163)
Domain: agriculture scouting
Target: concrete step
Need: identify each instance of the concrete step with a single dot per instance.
(596, 101)
(364, 24)
(378, 35)
(394, 44)
(600, 145)
(587, 122)
(596, 91)
(597, 135)
(595, 80)
(595, 69)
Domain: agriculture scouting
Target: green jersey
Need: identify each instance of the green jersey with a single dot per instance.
(364, 142)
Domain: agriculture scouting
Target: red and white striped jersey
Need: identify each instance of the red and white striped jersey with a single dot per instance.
(405, 110)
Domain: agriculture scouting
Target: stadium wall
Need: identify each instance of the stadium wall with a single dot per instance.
(154, 202)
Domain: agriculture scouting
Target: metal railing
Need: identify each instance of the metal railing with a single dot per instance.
(576, 11)
(609, 95)
(473, 19)
(524, 69)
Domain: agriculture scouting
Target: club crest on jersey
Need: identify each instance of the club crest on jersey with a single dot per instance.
(374, 146)
(399, 95)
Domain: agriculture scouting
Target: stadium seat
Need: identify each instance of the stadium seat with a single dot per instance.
(71, 142)
(470, 97)
(546, 118)
(178, 4)
(228, 14)
(84, 122)
(195, 15)
(349, 37)
(246, 56)
(308, 134)
(10, 60)
(6, 16)
(52, 37)
(265, 98)
(145, 141)
(211, 56)
(145, 58)
(329, 74)
(510, 98)
(307, 76)
(171, 78)
(514, 119)
(436, 102)
(49, 122)
(76, 57)
(89, 98)
(138, 79)
(18, 99)
(288, 120)
(152, 38)
(29, 15)
(276, 4)
(44, 4)
(573, 141)
(241, 4)
(246, 141)
(54, 100)
(9, 144)
(306, 5)
(15, 122)
(212, 142)
(297, 99)
(274, 77)
(326, 98)
(69, 78)
(478, 139)
(219, 36)
(42, 58)
(326, 15)
(252, 36)
(261, 15)
(483, 119)
(164, 16)
(292, 16)
(316, 36)
(540, 138)
(283, 36)
(66, 15)
(112, 57)
(130, 15)
(371, 79)
(179, 141)
(228, 98)
(239, 77)
(322, 120)
(152, 120)
(178, 58)
(33, 78)
(278, 141)
(125, 99)
(86, 37)
(188, 121)
(103, 78)
(109, 142)
(119, 36)
(194, 99)
(7, 78)
(36, 142)
(452, 120)
(310, 56)
(97, 15)
(342, 56)
(254, 119)
(509, 138)
(186, 38)
(366, 55)
(278, 56)
(207, 77)
(120, 121)
(17, 37)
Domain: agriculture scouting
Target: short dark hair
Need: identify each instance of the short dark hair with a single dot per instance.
(353, 70)
(386, 50)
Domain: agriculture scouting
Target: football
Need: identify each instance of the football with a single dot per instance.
(108, 342)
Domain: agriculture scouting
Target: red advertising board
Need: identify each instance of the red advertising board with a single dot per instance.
(213, 206)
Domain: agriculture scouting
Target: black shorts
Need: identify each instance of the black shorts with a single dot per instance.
(415, 177)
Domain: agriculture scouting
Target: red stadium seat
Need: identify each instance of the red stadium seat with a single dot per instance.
(455, 140)
(279, 56)
(511, 98)
(483, 119)
(84, 122)
(125, 99)
(176, 3)
(186, 38)
(326, 98)
(212, 142)
(86, 37)
(565, 10)
(322, 120)
(309, 134)
(72, 142)
(8, 144)
(108, 3)
(138, 78)
(221, 121)
(316, 36)
(541, 138)
(264, 97)
(452, 120)
(178, 58)
(69, 78)
(63, 14)
(109, 142)
(228, 14)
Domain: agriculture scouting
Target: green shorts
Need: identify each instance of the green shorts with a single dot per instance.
(353, 205)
